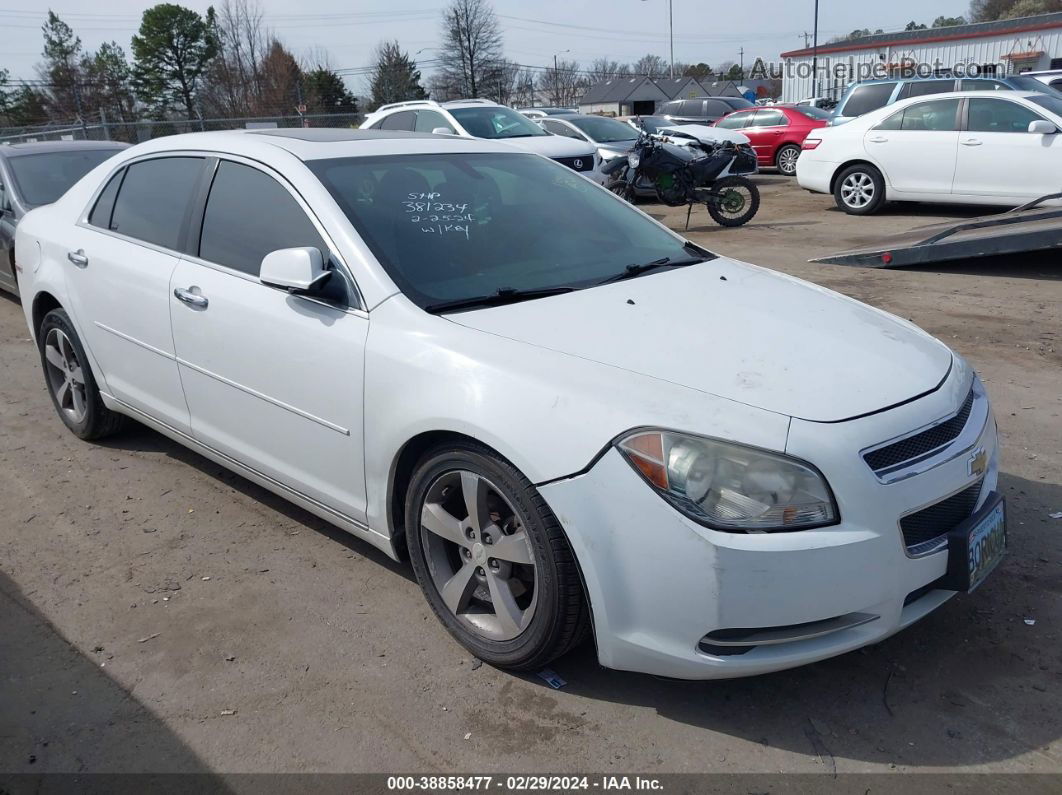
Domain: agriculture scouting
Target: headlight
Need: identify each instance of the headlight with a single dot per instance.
(728, 486)
(633, 159)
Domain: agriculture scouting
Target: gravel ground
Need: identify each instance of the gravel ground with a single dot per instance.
(158, 613)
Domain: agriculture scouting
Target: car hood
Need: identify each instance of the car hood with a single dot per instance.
(738, 332)
(706, 134)
(552, 146)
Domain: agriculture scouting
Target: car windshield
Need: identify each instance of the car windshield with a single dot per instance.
(814, 113)
(449, 227)
(605, 131)
(1032, 84)
(1050, 102)
(43, 178)
(496, 122)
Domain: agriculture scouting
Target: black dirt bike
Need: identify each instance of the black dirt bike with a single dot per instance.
(709, 174)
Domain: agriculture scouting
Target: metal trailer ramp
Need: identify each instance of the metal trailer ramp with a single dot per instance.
(1028, 228)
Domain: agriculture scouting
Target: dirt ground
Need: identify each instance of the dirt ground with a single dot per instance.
(158, 613)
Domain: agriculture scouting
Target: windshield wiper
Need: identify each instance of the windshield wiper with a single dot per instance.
(633, 271)
(500, 297)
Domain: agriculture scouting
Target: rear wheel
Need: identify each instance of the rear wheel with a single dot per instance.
(786, 159)
(492, 559)
(70, 382)
(734, 201)
(860, 190)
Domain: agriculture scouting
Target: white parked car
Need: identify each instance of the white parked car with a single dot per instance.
(481, 118)
(974, 147)
(463, 354)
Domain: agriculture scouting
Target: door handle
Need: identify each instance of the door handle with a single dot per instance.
(972, 142)
(78, 258)
(190, 298)
(878, 139)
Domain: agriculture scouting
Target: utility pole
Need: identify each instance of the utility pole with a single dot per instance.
(815, 55)
(80, 111)
(671, 35)
(807, 39)
(103, 123)
(741, 62)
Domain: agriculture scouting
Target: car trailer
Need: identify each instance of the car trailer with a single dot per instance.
(1028, 228)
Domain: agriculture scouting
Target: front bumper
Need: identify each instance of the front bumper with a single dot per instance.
(659, 583)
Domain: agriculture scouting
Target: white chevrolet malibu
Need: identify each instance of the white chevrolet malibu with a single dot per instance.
(569, 418)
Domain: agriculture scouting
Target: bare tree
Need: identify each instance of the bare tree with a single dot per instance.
(651, 66)
(563, 85)
(471, 48)
(605, 69)
(233, 83)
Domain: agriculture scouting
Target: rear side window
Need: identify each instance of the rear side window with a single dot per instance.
(866, 98)
(770, 118)
(670, 108)
(250, 214)
(922, 88)
(692, 107)
(998, 115)
(717, 108)
(154, 198)
(101, 213)
(735, 122)
(429, 120)
(403, 120)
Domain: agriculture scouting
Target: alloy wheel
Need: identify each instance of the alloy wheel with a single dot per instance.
(787, 160)
(857, 190)
(479, 555)
(66, 378)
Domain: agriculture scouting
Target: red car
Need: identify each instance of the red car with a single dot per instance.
(777, 131)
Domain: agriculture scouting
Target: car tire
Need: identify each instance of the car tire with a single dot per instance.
(786, 160)
(518, 608)
(70, 382)
(859, 190)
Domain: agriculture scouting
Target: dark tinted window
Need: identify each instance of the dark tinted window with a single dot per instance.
(428, 120)
(716, 108)
(937, 116)
(248, 215)
(403, 120)
(692, 107)
(43, 178)
(998, 115)
(101, 213)
(982, 85)
(922, 88)
(770, 118)
(603, 130)
(814, 113)
(866, 98)
(154, 197)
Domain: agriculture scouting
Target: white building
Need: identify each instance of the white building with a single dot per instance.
(1009, 46)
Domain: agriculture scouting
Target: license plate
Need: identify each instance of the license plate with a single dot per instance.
(977, 546)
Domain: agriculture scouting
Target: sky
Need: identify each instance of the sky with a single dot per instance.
(534, 30)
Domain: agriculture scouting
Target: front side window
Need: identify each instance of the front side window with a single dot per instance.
(449, 227)
(936, 116)
(866, 98)
(736, 121)
(770, 118)
(430, 120)
(998, 115)
(496, 122)
(154, 198)
(250, 214)
(43, 178)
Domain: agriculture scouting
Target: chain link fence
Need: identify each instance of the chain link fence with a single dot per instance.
(145, 130)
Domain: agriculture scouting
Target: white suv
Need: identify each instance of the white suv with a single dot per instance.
(481, 118)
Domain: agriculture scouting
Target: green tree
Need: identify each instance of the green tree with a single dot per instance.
(395, 77)
(61, 68)
(172, 49)
(26, 106)
(912, 25)
(991, 10)
(698, 70)
(327, 93)
(109, 82)
(948, 22)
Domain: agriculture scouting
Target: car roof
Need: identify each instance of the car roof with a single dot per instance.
(318, 143)
(42, 147)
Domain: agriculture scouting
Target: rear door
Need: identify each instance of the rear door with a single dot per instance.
(917, 147)
(765, 131)
(998, 156)
(7, 235)
(122, 254)
(273, 380)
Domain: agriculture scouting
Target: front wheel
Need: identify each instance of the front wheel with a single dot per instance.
(492, 559)
(734, 201)
(622, 188)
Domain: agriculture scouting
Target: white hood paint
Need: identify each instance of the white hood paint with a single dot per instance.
(551, 146)
(706, 134)
(755, 336)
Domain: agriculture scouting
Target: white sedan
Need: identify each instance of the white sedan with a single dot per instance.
(568, 418)
(975, 147)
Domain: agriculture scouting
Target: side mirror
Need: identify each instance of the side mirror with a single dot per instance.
(1042, 127)
(442, 131)
(299, 270)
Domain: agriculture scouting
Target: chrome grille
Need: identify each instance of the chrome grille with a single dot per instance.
(920, 444)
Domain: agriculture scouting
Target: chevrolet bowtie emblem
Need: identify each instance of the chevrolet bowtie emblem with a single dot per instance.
(977, 464)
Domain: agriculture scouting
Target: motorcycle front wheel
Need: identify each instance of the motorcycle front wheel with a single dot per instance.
(733, 201)
(622, 188)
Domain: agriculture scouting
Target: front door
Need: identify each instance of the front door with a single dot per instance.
(273, 380)
(998, 156)
(118, 270)
(916, 147)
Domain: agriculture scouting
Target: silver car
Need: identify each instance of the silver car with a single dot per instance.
(33, 174)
